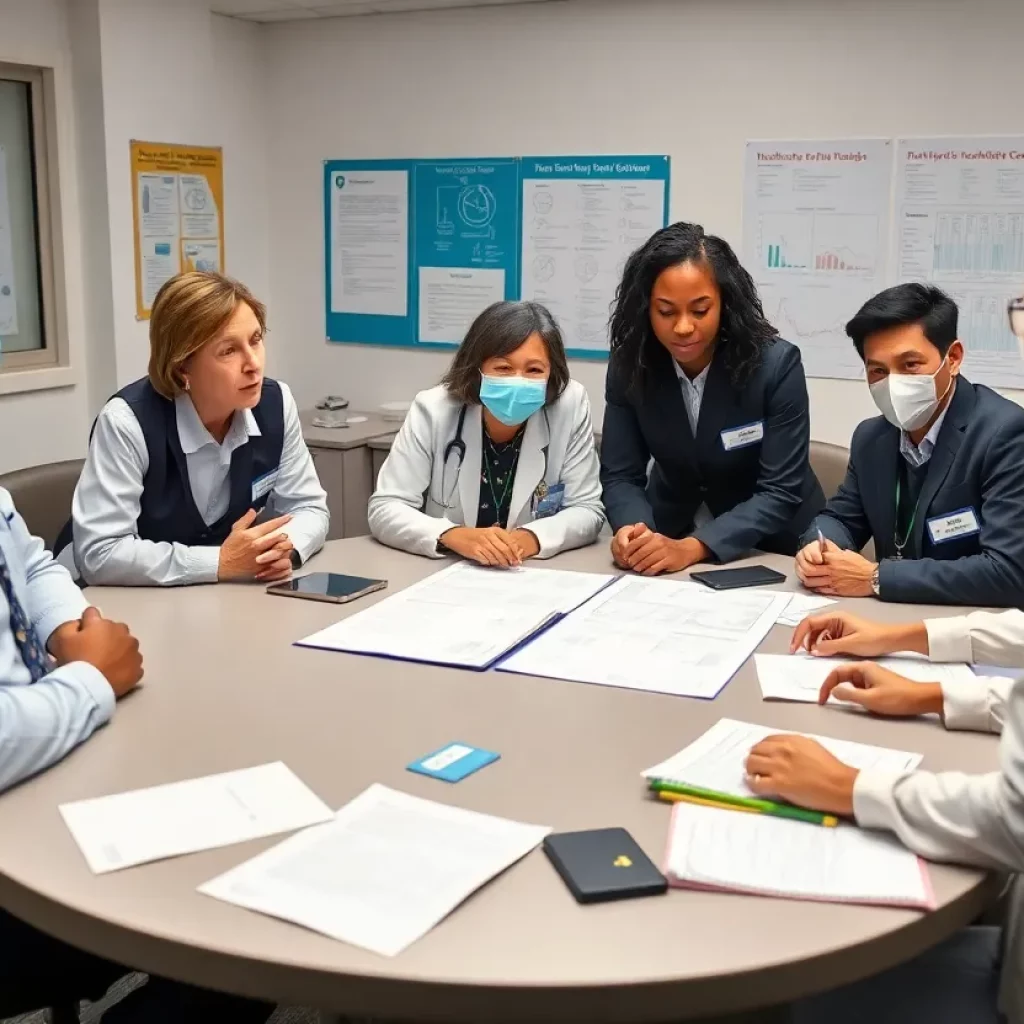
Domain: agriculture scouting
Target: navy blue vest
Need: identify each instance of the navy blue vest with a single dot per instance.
(168, 512)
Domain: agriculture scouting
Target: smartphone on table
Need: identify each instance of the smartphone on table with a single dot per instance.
(732, 579)
(327, 586)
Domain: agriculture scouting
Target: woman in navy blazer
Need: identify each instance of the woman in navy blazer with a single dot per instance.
(704, 452)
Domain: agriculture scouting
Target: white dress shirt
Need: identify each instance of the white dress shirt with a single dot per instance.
(693, 397)
(41, 722)
(972, 819)
(107, 502)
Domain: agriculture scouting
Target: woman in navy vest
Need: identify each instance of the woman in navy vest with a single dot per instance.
(182, 462)
(704, 453)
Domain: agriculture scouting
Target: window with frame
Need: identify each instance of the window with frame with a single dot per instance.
(28, 335)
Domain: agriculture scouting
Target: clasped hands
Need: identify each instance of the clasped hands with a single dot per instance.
(491, 545)
(835, 572)
(648, 553)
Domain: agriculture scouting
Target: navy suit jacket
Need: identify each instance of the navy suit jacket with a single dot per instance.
(763, 495)
(978, 463)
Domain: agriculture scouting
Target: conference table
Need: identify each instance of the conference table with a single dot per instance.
(225, 688)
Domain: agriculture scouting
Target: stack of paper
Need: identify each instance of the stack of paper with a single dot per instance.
(716, 761)
(382, 873)
(466, 616)
(658, 635)
(762, 855)
(800, 677)
(120, 831)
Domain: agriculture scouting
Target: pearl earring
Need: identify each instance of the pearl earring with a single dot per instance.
(188, 387)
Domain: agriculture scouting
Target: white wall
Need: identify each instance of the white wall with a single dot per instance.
(159, 70)
(174, 73)
(694, 79)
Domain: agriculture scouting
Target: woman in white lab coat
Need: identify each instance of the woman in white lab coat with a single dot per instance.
(497, 463)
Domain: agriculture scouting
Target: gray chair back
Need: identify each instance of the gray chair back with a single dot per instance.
(42, 494)
(829, 462)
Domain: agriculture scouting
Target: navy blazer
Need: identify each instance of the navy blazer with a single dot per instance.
(978, 463)
(762, 495)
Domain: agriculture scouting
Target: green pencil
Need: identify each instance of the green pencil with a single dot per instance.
(769, 807)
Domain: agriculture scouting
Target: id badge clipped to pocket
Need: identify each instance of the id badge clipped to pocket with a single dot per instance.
(548, 500)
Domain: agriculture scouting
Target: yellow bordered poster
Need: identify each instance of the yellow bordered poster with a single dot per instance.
(178, 214)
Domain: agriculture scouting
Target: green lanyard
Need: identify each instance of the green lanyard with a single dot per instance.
(498, 503)
(900, 545)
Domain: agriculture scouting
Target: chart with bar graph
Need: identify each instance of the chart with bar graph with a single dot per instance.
(786, 240)
(846, 243)
(978, 243)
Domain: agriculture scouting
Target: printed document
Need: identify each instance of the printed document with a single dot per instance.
(126, 829)
(466, 615)
(659, 635)
(758, 854)
(382, 873)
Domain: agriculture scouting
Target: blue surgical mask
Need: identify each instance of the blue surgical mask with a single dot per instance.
(512, 400)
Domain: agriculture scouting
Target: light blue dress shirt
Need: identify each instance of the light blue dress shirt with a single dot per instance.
(41, 722)
(693, 396)
(918, 455)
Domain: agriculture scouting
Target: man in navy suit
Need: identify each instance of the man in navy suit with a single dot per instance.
(937, 481)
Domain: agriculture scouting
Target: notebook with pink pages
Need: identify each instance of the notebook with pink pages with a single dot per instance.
(758, 855)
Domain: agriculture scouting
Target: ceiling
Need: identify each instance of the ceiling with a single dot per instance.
(305, 10)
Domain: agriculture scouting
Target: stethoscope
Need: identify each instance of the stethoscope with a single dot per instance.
(457, 447)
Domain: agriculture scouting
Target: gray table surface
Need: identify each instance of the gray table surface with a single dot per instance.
(225, 689)
(352, 436)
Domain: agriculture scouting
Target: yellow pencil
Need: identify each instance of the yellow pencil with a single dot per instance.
(828, 820)
(681, 798)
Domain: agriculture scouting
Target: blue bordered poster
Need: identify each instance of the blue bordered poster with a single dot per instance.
(582, 217)
(415, 249)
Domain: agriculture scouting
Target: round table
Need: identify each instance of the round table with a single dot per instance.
(225, 689)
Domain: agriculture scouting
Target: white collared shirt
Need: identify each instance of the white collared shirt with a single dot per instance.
(693, 396)
(107, 502)
(974, 819)
(918, 455)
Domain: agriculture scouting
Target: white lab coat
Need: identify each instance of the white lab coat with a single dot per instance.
(972, 819)
(408, 510)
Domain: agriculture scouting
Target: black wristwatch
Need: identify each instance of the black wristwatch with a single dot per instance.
(296, 559)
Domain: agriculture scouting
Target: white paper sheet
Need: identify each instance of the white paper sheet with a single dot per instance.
(370, 243)
(716, 760)
(658, 635)
(755, 853)
(465, 615)
(800, 677)
(800, 606)
(126, 829)
(451, 298)
(382, 873)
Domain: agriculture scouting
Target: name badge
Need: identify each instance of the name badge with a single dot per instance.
(454, 762)
(962, 523)
(741, 437)
(263, 485)
(548, 500)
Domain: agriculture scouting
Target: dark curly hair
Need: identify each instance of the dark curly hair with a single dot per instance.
(743, 332)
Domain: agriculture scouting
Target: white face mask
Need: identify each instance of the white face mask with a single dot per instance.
(908, 400)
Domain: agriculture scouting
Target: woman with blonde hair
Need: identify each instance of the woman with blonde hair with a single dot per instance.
(197, 472)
